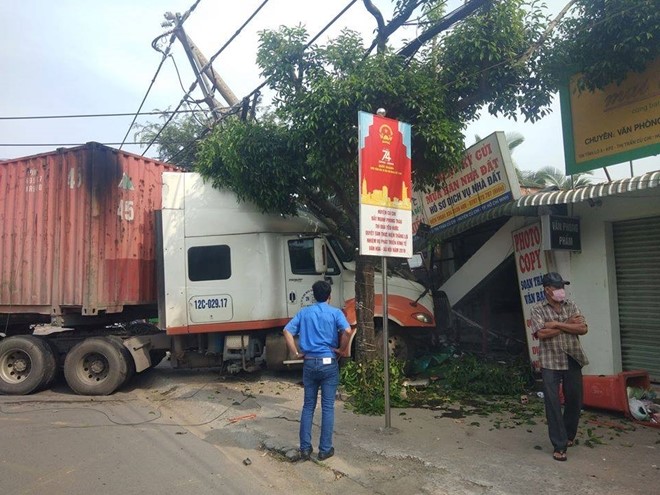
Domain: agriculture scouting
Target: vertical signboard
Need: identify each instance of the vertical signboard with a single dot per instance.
(530, 266)
(385, 187)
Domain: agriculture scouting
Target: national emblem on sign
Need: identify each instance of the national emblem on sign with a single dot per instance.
(385, 133)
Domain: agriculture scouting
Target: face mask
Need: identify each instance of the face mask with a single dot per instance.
(559, 295)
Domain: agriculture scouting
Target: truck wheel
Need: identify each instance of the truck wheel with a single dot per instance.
(52, 364)
(26, 362)
(400, 346)
(95, 366)
(126, 354)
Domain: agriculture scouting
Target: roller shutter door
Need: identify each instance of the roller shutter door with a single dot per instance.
(637, 259)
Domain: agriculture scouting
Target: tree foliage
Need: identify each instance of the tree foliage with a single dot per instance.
(303, 154)
(178, 141)
(553, 177)
(604, 40)
(507, 57)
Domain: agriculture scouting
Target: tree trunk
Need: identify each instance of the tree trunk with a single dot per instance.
(365, 348)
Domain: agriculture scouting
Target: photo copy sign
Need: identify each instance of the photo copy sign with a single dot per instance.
(385, 187)
(530, 265)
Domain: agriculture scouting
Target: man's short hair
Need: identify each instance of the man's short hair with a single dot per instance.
(321, 290)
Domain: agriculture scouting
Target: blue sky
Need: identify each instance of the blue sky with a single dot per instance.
(94, 56)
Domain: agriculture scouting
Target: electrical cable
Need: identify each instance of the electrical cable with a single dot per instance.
(162, 61)
(151, 84)
(194, 84)
(233, 110)
(137, 423)
(94, 115)
(51, 145)
(318, 35)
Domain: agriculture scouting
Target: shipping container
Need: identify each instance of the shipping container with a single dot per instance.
(77, 234)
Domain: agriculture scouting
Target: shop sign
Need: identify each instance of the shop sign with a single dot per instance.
(561, 233)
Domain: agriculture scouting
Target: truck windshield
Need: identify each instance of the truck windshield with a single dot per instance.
(344, 254)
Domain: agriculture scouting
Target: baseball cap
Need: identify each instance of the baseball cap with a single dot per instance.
(554, 279)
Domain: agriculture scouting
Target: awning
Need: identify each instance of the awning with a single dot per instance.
(614, 188)
(527, 205)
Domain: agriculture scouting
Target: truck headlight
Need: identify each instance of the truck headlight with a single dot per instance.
(423, 317)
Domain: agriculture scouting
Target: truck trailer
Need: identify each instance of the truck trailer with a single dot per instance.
(111, 261)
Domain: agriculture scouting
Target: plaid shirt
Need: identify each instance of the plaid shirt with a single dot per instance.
(555, 350)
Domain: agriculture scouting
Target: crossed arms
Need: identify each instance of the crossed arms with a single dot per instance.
(575, 324)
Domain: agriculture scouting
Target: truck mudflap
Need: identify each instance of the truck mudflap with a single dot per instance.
(139, 347)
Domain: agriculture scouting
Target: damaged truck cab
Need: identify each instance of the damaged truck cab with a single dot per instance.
(231, 277)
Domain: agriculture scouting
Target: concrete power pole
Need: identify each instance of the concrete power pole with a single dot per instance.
(207, 78)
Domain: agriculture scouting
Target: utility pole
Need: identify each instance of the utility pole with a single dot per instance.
(207, 78)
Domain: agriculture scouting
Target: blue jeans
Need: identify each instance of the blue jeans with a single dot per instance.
(326, 377)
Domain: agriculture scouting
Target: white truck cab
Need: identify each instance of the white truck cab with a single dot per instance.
(231, 277)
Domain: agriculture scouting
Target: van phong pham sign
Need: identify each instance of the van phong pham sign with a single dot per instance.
(385, 186)
(486, 179)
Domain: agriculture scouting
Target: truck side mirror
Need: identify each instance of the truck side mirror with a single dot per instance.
(320, 256)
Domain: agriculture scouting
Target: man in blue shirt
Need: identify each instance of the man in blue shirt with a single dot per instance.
(324, 334)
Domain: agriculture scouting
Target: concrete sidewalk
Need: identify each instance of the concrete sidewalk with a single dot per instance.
(425, 451)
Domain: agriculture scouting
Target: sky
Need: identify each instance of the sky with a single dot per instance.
(73, 57)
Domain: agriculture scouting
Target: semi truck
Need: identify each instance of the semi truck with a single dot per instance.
(111, 261)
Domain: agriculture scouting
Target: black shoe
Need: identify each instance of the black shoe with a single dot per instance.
(305, 454)
(326, 455)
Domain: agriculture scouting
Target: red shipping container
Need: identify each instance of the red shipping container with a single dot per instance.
(77, 231)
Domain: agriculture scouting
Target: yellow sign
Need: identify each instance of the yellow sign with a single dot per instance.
(619, 123)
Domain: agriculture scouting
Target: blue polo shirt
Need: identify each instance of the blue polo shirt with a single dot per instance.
(318, 327)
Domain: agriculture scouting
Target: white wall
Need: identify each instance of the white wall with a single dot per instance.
(593, 276)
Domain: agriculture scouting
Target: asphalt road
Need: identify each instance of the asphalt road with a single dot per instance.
(55, 442)
(180, 432)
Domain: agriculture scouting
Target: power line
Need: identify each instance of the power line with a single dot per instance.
(327, 26)
(233, 110)
(71, 144)
(160, 65)
(194, 84)
(94, 115)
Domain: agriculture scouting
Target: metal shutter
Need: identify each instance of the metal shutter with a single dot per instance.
(637, 259)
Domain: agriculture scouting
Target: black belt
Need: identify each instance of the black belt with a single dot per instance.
(321, 358)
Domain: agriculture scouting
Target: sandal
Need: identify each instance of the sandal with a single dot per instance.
(559, 455)
(571, 443)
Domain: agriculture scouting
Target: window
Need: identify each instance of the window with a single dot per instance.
(301, 255)
(209, 263)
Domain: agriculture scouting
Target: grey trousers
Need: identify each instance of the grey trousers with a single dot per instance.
(562, 427)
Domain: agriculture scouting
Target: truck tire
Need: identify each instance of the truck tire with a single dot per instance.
(26, 362)
(127, 356)
(400, 346)
(52, 365)
(95, 366)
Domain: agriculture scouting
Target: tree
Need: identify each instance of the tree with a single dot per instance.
(506, 57)
(178, 141)
(552, 176)
(604, 40)
(304, 153)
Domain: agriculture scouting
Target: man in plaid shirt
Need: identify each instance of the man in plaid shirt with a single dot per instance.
(557, 323)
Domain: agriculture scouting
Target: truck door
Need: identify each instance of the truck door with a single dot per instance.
(301, 275)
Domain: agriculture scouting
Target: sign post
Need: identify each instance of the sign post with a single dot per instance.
(385, 184)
